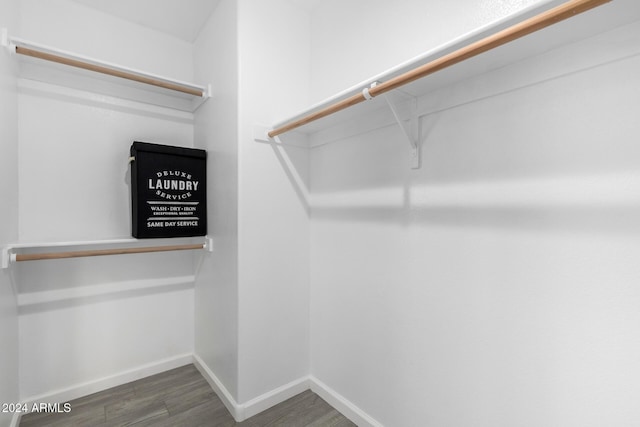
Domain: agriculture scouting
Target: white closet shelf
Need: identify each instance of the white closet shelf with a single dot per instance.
(360, 101)
(51, 65)
(19, 252)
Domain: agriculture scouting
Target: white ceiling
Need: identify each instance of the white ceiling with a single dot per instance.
(180, 18)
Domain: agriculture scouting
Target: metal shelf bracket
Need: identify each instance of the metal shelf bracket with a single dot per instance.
(412, 133)
(7, 257)
(208, 244)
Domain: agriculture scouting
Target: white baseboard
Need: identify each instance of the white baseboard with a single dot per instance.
(241, 412)
(348, 409)
(217, 386)
(272, 398)
(85, 389)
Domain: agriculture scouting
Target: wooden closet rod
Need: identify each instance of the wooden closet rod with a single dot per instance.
(100, 252)
(106, 70)
(528, 26)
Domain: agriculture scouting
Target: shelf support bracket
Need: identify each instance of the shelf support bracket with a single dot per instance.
(208, 244)
(5, 41)
(7, 257)
(410, 134)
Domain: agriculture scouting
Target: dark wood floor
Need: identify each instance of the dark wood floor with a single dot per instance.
(181, 397)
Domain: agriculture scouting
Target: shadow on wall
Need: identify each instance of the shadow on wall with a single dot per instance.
(602, 220)
(70, 300)
(294, 171)
(497, 163)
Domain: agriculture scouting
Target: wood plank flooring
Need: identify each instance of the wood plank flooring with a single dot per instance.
(181, 397)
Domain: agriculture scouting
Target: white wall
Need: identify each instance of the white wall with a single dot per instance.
(67, 144)
(216, 130)
(74, 185)
(497, 285)
(273, 220)
(96, 340)
(9, 384)
(355, 40)
(494, 286)
(252, 295)
(254, 321)
(105, 37)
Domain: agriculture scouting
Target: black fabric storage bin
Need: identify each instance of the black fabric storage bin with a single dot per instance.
(168, 191)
